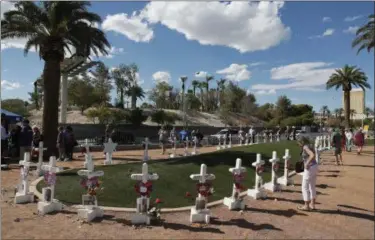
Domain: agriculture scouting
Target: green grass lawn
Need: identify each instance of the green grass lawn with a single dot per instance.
(174, 180)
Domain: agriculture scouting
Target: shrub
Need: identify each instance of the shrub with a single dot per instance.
(101, 114)
(136, 117)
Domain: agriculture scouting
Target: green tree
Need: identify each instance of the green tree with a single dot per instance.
(51, 27)
(159, 117)
(102, 83)
(220, 89)
(102, 114)
(233, 96)
(248, 104)
(119, 75)
(160, 95)
(195, 84)
(300, 109)
(136, 117)
(15, 105)
(346, 78)
(368, 111)
(365, 36)
(135, 92)
(81, 93)
(283, 107)
(324, 110)
(209, 78)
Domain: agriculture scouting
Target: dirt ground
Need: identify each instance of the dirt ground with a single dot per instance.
(345, 211)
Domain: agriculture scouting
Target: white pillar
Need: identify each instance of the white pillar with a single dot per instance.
(64, 97)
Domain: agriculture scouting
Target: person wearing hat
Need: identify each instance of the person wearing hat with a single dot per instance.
(359, 140)
(336, 144)
(25, 138)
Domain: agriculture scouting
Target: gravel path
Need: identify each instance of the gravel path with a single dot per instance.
(345, 211)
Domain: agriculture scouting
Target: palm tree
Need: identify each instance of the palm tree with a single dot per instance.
(324, 110)
(183, 79)
(365, 36)
(220, 88)
(119, 75)
(195, 84)
(51, 27)
(208, 79)
(202, 85)
(346, 78)
(135, 92)
(336, 111)
(131, 81)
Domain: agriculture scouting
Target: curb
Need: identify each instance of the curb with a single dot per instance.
(34, 189)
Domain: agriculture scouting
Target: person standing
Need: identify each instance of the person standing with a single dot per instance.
(37, 137)
(70, 143)
(4, 139)
(287, 134)
(309, 175)
(359, 140)
(343, 139)
(240, 135)
(162, 141)
(349, 140)
(60, 143)
(26, 138)
(336, 144)
(252, 134)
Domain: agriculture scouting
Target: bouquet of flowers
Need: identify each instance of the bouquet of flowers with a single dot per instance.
(154, 210)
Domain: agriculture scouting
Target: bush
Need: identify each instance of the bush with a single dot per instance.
(161, 117)
(136, 117)
(101, 114)
(118, 115)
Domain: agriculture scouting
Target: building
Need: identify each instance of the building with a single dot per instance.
(357, 100)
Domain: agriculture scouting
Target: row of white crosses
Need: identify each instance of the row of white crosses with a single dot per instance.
(109, 148)
(224, 144)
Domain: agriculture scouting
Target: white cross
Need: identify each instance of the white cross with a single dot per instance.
(26, 164)
(40, 157)
(274, 160)
(202, 177)
(109, 148)
(90, 173)
(87, 145)
(258, 163)
(144, 176)
(237, 170)
(195, 145)
(51, 168)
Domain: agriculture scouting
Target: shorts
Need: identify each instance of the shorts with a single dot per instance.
(337, 151)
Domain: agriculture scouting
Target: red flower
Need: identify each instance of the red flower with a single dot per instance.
(187, 194)
(157, 201)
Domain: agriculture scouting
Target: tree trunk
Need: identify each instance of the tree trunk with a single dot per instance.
(134, 102)
(347, 108)
(122, 97)
(51, 80)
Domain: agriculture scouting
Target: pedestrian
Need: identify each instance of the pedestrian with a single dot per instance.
(252, 135)
(60, 143)
(70, 143)
(359, 139)
(25, 138)
(336, 144)
(162, 141)
(349, 140)
(37, 136)
(199, 136)
(4, 139)
(287, 134)
(240, 135)
(343, 139)
(309, 175)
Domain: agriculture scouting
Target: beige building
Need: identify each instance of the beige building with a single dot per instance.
(357, 100)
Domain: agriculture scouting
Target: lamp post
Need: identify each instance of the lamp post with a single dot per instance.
(183, 79)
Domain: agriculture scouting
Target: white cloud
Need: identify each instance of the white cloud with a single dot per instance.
(327, 19)
(255, 64)
(161, 77)
(235, 72)
(113, 51)
(133, 27)
(244, 26)
(326, 33)
(5, 7)
(353, 18)
(6, 85)
(307, 76)
(201, 74)
(351, 30)
(266, 92)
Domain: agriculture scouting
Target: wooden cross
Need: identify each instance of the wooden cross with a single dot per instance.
(144, 176)
(51, 168)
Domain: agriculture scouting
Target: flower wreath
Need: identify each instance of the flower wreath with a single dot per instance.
(50, 178)
(259, 170)
(276, 167)
(238, 179)
(91, 184)
(144, 189)
(204, 189)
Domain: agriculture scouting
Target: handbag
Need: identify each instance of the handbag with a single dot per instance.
(300, 167)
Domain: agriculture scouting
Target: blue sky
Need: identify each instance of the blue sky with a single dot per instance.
(270, 49)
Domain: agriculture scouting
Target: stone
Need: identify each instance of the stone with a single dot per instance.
(258, 192)
(274, 186)
(234, 202)
(200, 212)
(143, 202)
(49, 204)
(109, 148)
(286, 180)
(23, 195)
(247, 139)
(90, 209)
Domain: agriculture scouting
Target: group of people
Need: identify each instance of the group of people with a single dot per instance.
(20, 139)
(343, 139)
(182, 136)
(65, 143)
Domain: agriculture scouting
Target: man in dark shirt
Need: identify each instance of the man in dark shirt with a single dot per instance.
(25, 138)
(336, 143)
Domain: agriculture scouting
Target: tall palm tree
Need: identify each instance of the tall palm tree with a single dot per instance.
(119, 75)
(202, 85)
(336, 112)
(365, 36)
(346, 78)
(51, 27)
(183, 80)
(208, 79)
(220, 88)
(195, 84)
(324, 110)
(131, 82)
(135, 92)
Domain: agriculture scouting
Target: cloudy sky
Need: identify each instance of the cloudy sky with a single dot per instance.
(268, 48)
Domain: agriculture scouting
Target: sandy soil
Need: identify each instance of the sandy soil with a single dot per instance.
(345, 211)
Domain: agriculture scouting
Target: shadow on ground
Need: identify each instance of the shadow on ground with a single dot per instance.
(242, 223)
(286, 213)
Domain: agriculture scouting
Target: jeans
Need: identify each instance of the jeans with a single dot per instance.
(349, 144)
(309, 183)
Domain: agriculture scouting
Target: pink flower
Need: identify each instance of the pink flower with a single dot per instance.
(157, 201)
(187, 194)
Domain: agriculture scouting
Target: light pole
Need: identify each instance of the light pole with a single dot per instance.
(183, 79)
